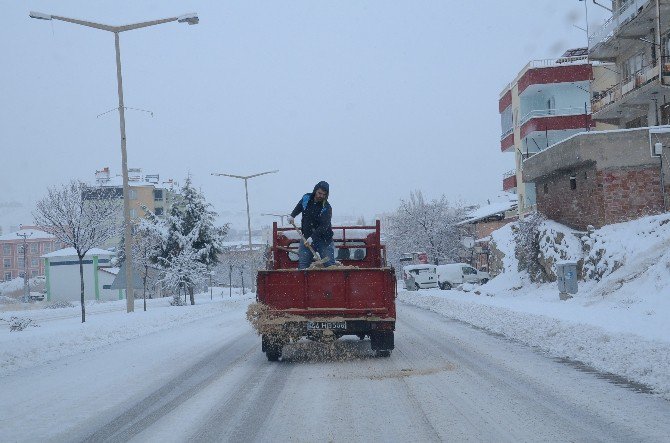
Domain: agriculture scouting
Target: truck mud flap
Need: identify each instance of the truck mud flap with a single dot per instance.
(382, 341)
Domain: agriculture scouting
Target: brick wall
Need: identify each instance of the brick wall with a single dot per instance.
(631, 193)
(577, 207)
(600, 197)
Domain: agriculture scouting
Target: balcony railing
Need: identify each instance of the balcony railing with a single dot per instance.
(506, 133)
(553, 113)
(546, 63)
(619, 17)
(617, 92)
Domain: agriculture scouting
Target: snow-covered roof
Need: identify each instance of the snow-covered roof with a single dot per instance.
(34, 234)
(71, 252)
(506, 202)
(111, 270)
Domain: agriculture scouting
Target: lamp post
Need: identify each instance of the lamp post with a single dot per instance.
(26, 288)
(246, 191)
(191, 19)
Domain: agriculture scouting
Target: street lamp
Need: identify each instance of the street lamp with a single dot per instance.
(191, 19)
(246, 190)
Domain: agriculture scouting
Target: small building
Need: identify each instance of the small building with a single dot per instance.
(15, 262)
(600, 178)
(482, 221)
(63, 280)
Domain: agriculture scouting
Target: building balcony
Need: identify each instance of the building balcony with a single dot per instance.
(544, 120)
(631, 97)
(629, 22)
(507, 143)
(509, 181)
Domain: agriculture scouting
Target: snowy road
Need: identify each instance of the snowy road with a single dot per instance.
(445, 381)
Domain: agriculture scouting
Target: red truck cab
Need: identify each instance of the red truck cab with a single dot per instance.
(355, 297)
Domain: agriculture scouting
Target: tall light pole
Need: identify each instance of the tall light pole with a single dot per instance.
(26, 288)
(246, 191)
(191, 19)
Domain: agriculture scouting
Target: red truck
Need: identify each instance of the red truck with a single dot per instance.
(354, 298)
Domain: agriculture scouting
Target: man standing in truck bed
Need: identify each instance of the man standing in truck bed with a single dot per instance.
(316, 226)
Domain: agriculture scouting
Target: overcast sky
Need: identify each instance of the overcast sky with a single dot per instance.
(376, 97)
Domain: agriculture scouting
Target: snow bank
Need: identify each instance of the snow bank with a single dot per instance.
(61, 333)
(641, 359)
(617, 322)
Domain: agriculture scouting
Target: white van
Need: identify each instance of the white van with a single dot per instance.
(419, 276)
(454, 274)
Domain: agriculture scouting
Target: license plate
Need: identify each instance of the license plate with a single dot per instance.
(312, 325)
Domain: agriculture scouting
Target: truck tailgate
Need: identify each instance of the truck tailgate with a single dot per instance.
(352, 291)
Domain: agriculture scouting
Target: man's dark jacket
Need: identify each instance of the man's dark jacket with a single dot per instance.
(316, 216)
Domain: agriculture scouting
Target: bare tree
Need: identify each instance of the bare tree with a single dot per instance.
(81, 217)
(429, 227)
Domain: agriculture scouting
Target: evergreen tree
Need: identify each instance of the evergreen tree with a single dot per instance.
(188, 235)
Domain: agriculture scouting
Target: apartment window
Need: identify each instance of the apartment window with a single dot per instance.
(8, 276)
(20, 263)
(47, 247)
(132, 194)
(7, 249)
(21, 274)
(34, 248)
(34, 263)
(573, 182)
(158, 195)
(19, 249)
(133, 213)
(33, 273)
(159, 211)
(7, 263)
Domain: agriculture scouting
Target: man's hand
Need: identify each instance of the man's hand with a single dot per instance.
(291, 220)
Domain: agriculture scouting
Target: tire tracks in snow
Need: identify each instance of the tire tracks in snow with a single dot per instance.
(242, 416)
(181, 388)
(531, 395)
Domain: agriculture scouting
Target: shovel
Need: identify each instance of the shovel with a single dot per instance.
(318, 261)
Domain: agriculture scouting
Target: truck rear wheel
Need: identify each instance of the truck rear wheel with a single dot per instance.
(272, 347)
(273, 353)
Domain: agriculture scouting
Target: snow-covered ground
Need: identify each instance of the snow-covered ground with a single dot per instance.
(60, 333)
(618, 324)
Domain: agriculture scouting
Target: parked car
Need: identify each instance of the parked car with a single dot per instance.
(454, 274)
(419, 276)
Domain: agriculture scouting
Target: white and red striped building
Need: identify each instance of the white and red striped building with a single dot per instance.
(548, 101)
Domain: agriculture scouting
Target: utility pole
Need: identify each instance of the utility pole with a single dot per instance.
(26, 287)
(246, 192)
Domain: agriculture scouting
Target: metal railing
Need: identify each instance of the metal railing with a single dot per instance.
(640, 78)
(554, 113)
(546, 63)
(510, 173)
(619, 17)
(506, 133)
